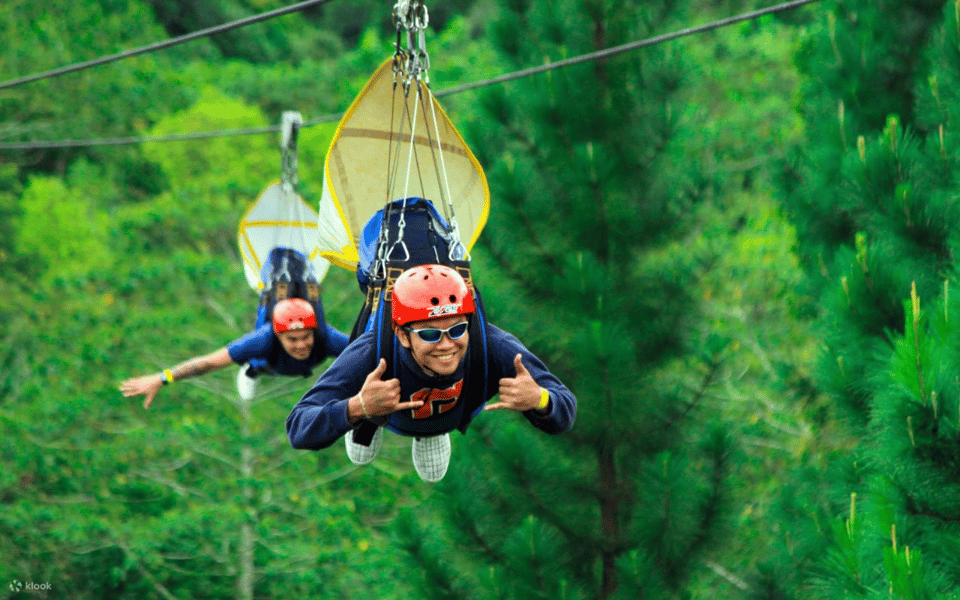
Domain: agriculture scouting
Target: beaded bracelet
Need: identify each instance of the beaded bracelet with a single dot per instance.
(363, 407)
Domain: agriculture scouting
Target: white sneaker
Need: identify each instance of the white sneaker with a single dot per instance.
(431, 456)
(246, 386)
(360, 454)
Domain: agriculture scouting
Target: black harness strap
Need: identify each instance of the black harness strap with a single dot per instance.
(287, 280)
(421, 249)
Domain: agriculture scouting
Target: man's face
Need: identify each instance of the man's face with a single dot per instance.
(439, 358)
(297, 342)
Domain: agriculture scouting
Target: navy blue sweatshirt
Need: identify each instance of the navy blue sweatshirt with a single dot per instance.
(320, 418)
(262, 344)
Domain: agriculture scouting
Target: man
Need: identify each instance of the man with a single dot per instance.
(431, 309)
(290, 346)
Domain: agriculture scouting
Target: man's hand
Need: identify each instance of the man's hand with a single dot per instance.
(379, 397)
(148, 386)
(518, 393)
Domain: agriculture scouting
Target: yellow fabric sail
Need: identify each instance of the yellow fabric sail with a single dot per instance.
(370, 164)
(278, 218)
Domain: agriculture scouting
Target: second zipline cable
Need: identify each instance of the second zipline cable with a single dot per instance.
(161, 45)
(450, 91)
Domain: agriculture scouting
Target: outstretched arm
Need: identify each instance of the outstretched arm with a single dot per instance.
(149, 385)
(336, 341)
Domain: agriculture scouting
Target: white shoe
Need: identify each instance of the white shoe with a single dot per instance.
(246, 386)
(431, 456)
(360, 454)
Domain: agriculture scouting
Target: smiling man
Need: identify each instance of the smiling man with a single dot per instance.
(290, 345)
(424, 398)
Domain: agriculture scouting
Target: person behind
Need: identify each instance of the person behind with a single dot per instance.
(291, 345)
(431, 309)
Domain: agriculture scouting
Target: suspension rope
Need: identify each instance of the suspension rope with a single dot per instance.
(410, 68)
(290, 122)
(447, 92)
(164, 44)
(436, 149)
(379, 270)
(402, 222)
(456, 250)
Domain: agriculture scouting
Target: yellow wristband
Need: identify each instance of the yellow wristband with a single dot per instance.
(544, 399)
(168, 376)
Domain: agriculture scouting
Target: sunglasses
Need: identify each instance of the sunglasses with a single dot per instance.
(433, 335)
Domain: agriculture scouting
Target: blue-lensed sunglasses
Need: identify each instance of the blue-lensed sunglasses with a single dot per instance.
(432, 335)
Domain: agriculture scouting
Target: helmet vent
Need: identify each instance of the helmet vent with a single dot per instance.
(434, 301)
(453, 299)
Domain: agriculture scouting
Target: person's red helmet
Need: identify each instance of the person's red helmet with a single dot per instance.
(293, 313)
(430, 292)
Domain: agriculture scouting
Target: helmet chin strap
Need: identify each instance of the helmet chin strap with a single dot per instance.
(423, 368)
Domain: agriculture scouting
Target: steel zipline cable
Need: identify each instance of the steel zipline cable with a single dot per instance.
(164, 44)
(173, 137)
(626, 47)
(600, 54)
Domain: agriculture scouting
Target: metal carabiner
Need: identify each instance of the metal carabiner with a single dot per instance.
(403, 14)
(457, 251)
(401, 225)
(289, 126)
(421, 16)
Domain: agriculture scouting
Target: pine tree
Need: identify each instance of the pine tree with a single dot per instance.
(877, 208)
(860, 64)
(583, 259)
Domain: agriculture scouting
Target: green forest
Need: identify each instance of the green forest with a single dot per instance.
(735, 247)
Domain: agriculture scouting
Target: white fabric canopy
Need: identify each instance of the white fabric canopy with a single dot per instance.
(279, 218)
(359, 178)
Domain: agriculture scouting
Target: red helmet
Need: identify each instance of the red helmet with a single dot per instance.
(293, 313)
(430, 292)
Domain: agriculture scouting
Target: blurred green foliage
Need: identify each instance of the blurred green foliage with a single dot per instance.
(120, 260)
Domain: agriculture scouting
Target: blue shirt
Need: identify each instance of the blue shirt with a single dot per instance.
(320, 418)
(263, 344)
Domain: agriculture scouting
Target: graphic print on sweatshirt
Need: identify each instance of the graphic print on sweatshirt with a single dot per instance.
(436, 401)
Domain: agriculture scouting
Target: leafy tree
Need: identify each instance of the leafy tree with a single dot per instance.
(199, 497)
(51, 211)
(113, 100)
(353, 20)
(267, 41)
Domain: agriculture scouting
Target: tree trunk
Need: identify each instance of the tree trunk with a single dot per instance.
(609, 519)
(245, 579)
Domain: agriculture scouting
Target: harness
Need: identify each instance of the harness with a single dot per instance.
(287, 271)
(410, 231)
(427, 240)
(286, 275)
